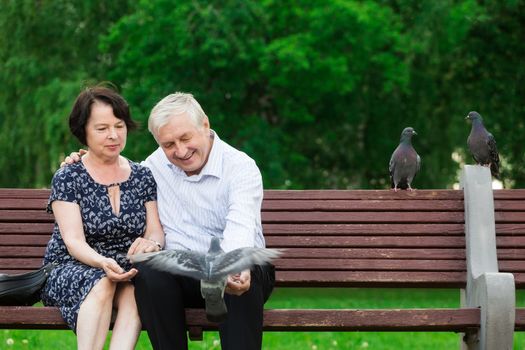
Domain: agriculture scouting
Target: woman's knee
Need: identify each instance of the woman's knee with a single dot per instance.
(103, 291)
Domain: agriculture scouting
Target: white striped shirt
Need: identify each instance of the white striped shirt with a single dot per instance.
(223, 200)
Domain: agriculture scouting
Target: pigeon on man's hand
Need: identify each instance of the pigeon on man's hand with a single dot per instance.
(212, 269)
(405, 162)
(482, 144)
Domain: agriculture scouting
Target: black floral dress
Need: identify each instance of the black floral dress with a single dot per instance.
(109, 234)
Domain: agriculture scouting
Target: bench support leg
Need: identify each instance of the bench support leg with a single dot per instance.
(494, 294)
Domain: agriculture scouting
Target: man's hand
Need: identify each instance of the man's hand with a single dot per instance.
(142, 245)
(74, 157)
(116, 273)
(238, 284)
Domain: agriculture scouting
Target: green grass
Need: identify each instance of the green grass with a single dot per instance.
(306, 298)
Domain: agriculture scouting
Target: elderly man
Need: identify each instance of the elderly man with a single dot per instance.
(206, 189)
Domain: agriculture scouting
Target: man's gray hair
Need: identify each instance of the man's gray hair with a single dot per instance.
(175, 105)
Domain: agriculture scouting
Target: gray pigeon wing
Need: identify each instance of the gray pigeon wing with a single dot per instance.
(418, 163)
(494, 155)
(241, 259)
(392, 167)
(177, 262)
(392, 163)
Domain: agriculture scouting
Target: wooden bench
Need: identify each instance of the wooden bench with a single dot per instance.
(333, 238)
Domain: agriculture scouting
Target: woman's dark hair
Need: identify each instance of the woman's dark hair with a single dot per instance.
(81, 112)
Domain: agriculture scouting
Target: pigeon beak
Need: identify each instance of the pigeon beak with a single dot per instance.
(467, 117)
(414, 132)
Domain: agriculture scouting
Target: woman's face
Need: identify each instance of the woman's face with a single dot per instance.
(105, 134)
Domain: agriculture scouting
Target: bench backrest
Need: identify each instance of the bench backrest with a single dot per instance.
(332, 237)
(509, 206)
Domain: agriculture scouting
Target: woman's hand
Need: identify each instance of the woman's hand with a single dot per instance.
(238, 284)
(116, 273)
(143, 245)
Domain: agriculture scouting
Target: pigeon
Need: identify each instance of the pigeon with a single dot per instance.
(405, 162)
(482, 144)
(212, 269)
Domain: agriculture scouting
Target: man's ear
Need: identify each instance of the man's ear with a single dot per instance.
(206, 123)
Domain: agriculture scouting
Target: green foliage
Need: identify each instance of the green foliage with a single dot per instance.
(48, 52)
(316, 91)
(279, 81)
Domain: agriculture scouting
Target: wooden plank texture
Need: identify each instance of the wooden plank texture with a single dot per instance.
(366, 217)
(456, 229)
(520, 319)
(363, 194)
(307, 205)
(365, 241)
(440, 320)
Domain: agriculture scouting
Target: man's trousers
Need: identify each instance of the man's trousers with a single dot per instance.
(162, 297)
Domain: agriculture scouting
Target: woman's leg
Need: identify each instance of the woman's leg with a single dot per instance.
(127, 325)
(94, 316)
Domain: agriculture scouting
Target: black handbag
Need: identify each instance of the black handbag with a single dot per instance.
(23, 289)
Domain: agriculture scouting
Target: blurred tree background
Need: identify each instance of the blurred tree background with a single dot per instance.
(317, 92)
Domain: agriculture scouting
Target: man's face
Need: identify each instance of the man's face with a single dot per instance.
(185, 144)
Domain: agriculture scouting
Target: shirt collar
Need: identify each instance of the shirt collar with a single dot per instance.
(213, 166)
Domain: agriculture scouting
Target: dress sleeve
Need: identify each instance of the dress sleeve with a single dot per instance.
(63, 188)
(150, 186)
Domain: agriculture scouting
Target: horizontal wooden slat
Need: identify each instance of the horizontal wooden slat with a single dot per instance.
(509, 216)
(445, 320)
(363, 217)
(21, 252)
(22, 228)
(374, 253)
(509, 205)
(363, 205)
(370, 264)
(511, 254)
(23, 203)
(362, 194)
(365, 241)
(25, 216)
(515, 194)
(21, 263)
(511, 265)
(510, 229)
(27, 317)
(438, 320)
(359, 229)
(510, 241)
(24, 193)
(24, 240)
(369, 279)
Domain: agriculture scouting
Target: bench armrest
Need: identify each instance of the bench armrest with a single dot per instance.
(487, 288)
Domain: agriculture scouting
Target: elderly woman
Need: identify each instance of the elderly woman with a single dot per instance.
(105, 210)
